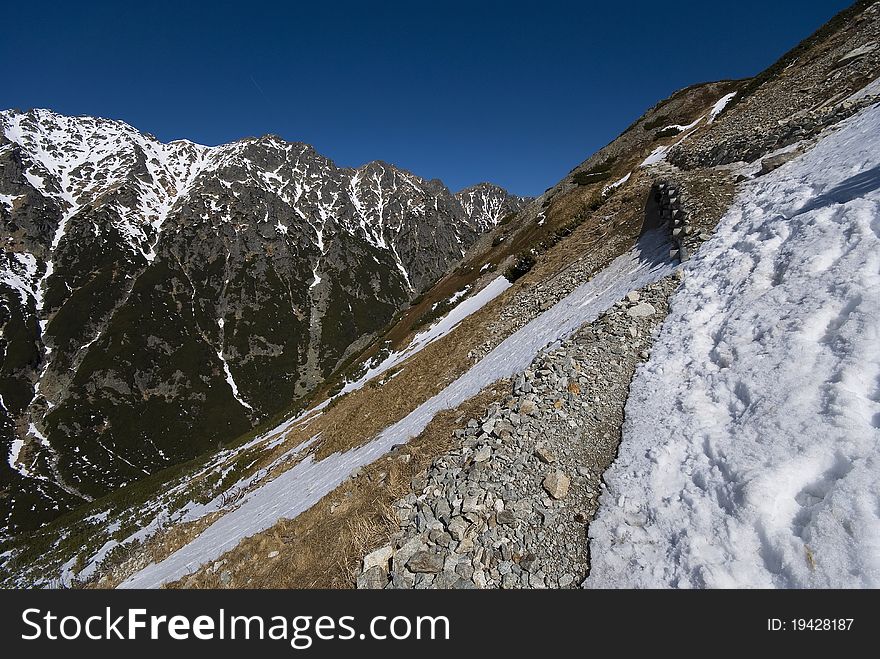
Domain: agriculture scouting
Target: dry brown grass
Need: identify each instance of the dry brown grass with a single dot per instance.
(323, 547)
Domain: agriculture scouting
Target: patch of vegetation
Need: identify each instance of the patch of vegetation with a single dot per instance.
(463, 269)
(596, 201)
(526, 259)
(671, 131)
(507, 219)
(418, 299)
(523, 262)
(596, 173)
(433, 313)
(656, 122)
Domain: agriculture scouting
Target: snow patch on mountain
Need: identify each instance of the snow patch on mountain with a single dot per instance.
(20, 274)
(436, 331)
(719, 106)
(486, 204)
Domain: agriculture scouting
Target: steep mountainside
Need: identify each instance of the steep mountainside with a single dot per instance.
(471, 443)
(156, 299)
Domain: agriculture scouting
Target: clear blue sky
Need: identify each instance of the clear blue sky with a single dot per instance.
(513, 93)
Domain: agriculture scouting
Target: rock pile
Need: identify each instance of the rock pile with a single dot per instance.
(669, 202)
(509, 505)
(749, 147)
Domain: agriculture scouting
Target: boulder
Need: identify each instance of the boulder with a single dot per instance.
(641, 310)
(373, 579)
(425, 562)
(378, 557)
(557, 483)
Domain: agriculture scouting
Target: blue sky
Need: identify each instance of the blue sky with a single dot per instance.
(514, 93)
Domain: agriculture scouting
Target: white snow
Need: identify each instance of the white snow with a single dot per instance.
(8, 200)
(299, 488)
(485, 207)
(719, 106)
(611, 186)
(455, 297)
(682, 128)
(20, 274)
(751, 448)
(14, 451)
(436, 331)
(657, 155)
(231, 381)
(870, 89)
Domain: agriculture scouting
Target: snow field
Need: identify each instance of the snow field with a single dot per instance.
(751, 445)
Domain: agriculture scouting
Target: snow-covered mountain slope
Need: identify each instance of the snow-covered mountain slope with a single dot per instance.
(156, 299)
(302, 486)
(752, 440)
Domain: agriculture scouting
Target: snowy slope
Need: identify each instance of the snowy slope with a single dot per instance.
(301, 487)
(751, 447)
(436, 331)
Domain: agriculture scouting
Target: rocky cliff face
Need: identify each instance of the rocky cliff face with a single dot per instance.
(156, 299)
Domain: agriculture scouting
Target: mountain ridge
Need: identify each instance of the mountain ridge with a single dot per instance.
(100, 218)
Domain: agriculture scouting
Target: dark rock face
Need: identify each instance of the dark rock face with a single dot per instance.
(156, 299)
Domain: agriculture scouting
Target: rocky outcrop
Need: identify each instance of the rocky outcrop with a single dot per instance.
(673, 217)
(810, 88)
(765, 139)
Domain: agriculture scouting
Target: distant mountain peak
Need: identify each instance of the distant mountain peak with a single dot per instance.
(161, 297)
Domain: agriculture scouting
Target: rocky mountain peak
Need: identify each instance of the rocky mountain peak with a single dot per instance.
(156, 298)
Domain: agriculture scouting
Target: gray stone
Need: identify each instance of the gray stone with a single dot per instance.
(527, 407)
(556, 483)
(544, 453)
(425, 562)
(406, 551)
(464, 570)
(402, 579)
(483, 454)
(373, 579)
(442, 510)
(378, 557)
(471, 505)
(445, 580)
(457, 527)
(536, 580)
(856, 53)
(641, 310)
(777, 161)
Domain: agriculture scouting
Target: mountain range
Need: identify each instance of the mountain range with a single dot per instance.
(157, 300)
